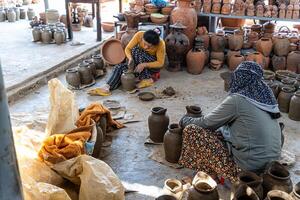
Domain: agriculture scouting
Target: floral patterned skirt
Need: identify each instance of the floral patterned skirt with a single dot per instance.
(202, 150)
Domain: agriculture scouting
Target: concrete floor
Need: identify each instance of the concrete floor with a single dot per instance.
(128, 156)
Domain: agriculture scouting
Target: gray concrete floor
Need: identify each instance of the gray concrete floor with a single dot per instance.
(128, 156)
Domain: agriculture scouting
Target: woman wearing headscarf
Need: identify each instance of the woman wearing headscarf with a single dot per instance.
(242, 133)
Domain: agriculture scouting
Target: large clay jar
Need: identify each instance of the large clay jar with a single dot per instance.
(205, 39)
(11, 15)
(193, 111)
(277, 177)
(195, 61)
(278, 62)
(234, 61)
(204, 188)
(218, 55)
(127, 36)
(293, 61)
(250, 179)
(177, 45)
(46, 36)
(22, 13)
(296, 192)
(173, 143)
(236, 40)
(281, 46)
(85, 72)
(59, 36)
(217, 41)
(259, 59)
(73, 77)
(187, 16)
(91, 65)
(294, 109)
(128, 80)
(132, 19)
(278, 195)
(264, 46)
(245, 192)
(231, 53)
(97, 59)
(30, 13)
(158, 123)
(36, 34)
(284, 98)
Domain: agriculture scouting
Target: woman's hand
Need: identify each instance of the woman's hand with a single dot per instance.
(140, 67)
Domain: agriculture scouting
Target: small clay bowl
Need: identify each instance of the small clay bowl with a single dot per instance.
(146, 96)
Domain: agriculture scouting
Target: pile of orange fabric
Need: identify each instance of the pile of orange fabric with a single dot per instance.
(61, 147)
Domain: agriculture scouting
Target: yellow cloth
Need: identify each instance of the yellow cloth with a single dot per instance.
(98, 92)
(158, 50)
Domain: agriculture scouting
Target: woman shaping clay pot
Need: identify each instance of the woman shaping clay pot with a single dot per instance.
(242, 133)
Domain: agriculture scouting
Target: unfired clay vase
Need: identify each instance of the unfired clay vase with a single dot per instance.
(296, 191)
(293, 61)
(193, 111)
(30, 13)
(91, 65)
(11, 15)
(158, 123)
(204, 188)
(59, 36)
(234, 61)
(36, 34)
(278, 195)
(294, 109)
(217, 41)
(245, 192)
(281, 46)
(277, 177)
(173, 143)
(132, 19)
(195, 61)
(284, 98)
(73, 77)
(264, 46)
(235, 41)
(85, 72)
(97, 59)
(278, 62)
(128, 80)
(46, 36)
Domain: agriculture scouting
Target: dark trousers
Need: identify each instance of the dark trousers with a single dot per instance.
(139, 56)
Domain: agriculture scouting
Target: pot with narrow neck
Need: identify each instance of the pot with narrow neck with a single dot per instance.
(158, 123)
(173, 143)
(128, 80)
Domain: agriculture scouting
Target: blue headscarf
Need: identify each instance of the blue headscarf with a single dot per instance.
(247, 81)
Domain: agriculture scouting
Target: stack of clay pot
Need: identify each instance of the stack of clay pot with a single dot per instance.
(217, 43)
(235, 43)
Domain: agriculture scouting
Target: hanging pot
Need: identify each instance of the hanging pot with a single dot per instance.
(173, 143)
(158, 123)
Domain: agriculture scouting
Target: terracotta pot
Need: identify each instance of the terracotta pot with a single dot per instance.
(205, 39)
(187, 16)
(269, 27)
(245, 192)
(215, 64)
(36, 34)
(193, 111)
(234, 61)
(204, 188)
(281, 46)
(97, 59)
(112, 52)
(229, 22)
(216, 8)
(277, 194)
(264, 46)
(279, 62)
(294, 107)
(231, 53)
(226, 9)
(296, 192)
(128, 80)
(235, 41)
(151, 8)
(293, 47)
(277, 177)
(258, 58)
(158, 123)
(217, 55)
(177, 45)
(73, 77)
(207, 7)
(52, 16)
(126, 37)
(108, 26)
(217, 42)
(195, 61)
(85, 72)
(293, 61)
(173, 143)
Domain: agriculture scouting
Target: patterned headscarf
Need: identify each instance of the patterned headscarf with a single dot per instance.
(247, 81)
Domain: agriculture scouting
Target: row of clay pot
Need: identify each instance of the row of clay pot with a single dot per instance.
(15, 14)
(86, 72)
(46, 35)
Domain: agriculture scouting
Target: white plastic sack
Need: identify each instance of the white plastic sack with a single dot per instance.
(63, 109)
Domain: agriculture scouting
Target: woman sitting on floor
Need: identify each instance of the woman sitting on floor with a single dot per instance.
(242, 133)
(147, 51)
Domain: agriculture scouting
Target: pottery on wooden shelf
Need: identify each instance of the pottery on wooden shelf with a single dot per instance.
(264, 46)
(128, 80)
(234, 61)
(203, 187)
(278, 62)
(277, 177)
(73, 77)
(281, 46)
(127, 36)
(195, 61)
(278, 195)
(158, 123)
(217, 41)
(293, 62)
(36, 34)
(85, 72)
(193, 111)
(173, 143)
(294, 109)
(244, 192)
(236, 41)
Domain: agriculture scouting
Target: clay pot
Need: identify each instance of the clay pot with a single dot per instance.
(226, 76)
(296, 192)
(177, 45)
(108, 26)
(132, 19)
(281, 74)
(274, 87)
(234, 61)
(151, 8)
(88, 21)
(251, 180)
(173, 188)
(91, 65)
(36, 34)
(128, 80)
(269, 27)
(269, 75)
(207, 7)
(293, 61)
(22, 13)
(46, 36)
(205, 39)
(216, 8)
(126, 37)
(284, 99)
(281, 46)
(226, 9)
(278, 195)
(293, 47)
(279, 62)
(264, 46)
(277, 176)
(195, 61)
(59, 36)
(294, 108)
(231, 53)
(287, 82)
(97, 59)
(235, 41)
(157, 18)
(229, 22)
(215, 64)
(258, 58)
(245, 192)
(2, 15)
(52, 16)
(173, 143)
(73, 77)
(158, 123)
(85, 72)
(187, 16)
(217, 55)
(11, 15)
(204, 188)
(193, 111)
(167, 10)
(30, 13)
(217, 42)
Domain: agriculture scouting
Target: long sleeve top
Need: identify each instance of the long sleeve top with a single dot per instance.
(255, 138)
(158, 50)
